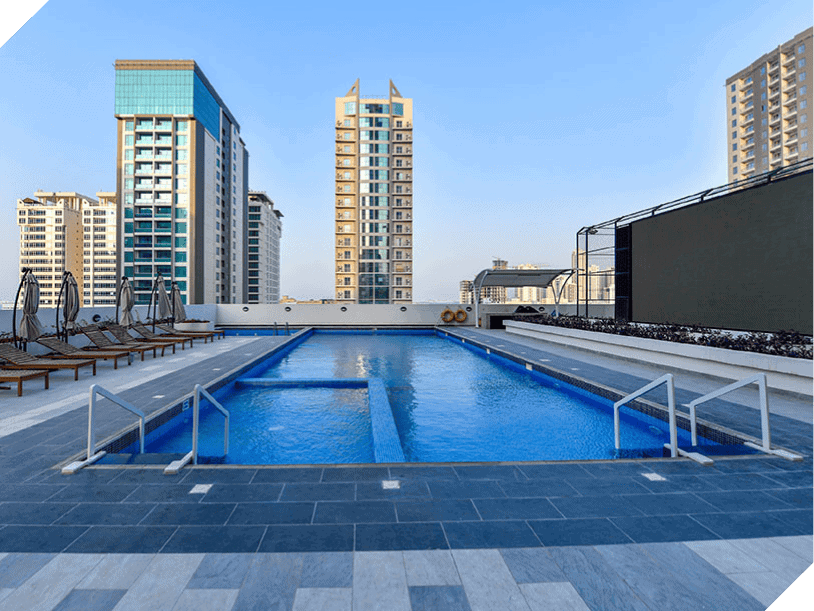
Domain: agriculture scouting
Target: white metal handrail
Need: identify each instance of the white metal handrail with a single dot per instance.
(667, 379)
(175, 466)
(93, 456)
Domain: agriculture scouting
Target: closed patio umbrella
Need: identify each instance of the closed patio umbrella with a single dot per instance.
(30, 327)
(178, 312)
(164, 309)
(126, 301)
(70, 309)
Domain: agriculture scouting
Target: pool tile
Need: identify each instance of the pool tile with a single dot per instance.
(323, 599)
(465, 490)
(397, 537)
(242, 493)
(29, 492)
(38, 539)
(214, 539)
(271, 475)
(380, 582)
(177, 514)
(431, 598)
(679, 466)
(746, 465)
(157, 493)
(801, 519)
(33, 513)
(94, 493)
(555, 471)
(545, 596)
(595, 507)
(595, 580)
(436, 511)
(352, 512)
(590, 531)
(122, 539)
(616, 470)
(327, 570)
(663, 528)
(491, 472)
(424, 473)
(308, 538)
(487, 582)
(272, 513)
(146, 476)
(742, 481)
(224, 476)
(116, 572)
(680, 483)
(745, 525)
(355, 474)
(430, 568)
(318, 492)
(742, 501)
(671, 503)
(90, 600)
(221, 572)
(800, 498)
(90, 514)
(793, 479)
(531, 565)
(607, 486)
(538, 488)
(15, 569)
(406, 490)
(516, 509)
(700, 578)
(474, 535)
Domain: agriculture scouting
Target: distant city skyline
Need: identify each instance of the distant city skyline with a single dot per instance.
(533, 123)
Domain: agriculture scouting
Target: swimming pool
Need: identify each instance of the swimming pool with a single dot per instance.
(449, 403)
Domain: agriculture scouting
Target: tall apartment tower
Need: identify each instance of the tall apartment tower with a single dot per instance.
(265, 232)
(181, 183)
(374, 197)
(768, 107)
(68, 231)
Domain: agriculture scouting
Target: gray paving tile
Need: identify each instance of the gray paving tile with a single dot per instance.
(282, 475)
(162, 582)
(465, 490)
(496, 534)
(487, 581)
(15, 569)
(772, 556)
(608, 486)
(216, 539)
(221, 572)
(595, 507)
(354, 512)
(766, 587)
(121, 539)
(318, 492)
(516, 509)
(491, 472)
(406, 490)
(327, 570)
(801, 498)
(203, 475)
(116, 572)
(407, 472)
(51, 584)
(206, 600)
(436, 510)
(33, 513)
(166, 514)
(380, 582)
(308, 538)
(272, 513)
(39, 539)
(700, 578)
(90, 600)
(725, 557)
(532, 565)
(271, 582)
(743, 525)
(800, 545)
(431, 598)
(733, 501)
(585, 531)
(539, 488)
(398, 537)
(323, 599)
(555, 471)
(94, 493)
(595, 580)
(29, 492)
(552, 596)
(670, 503)
(355, 474)
(663, 528)
(89, 514)
(161, 493)
(430, 568)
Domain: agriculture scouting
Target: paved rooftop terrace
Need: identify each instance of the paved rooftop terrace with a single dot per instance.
(647, 534)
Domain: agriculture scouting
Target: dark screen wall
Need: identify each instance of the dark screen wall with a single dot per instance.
(742, 261)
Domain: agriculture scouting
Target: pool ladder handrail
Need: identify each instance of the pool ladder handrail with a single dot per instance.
(175, 466)
(93, 456)
(765, 425)
(667, 379)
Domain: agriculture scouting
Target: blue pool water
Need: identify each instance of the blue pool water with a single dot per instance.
(450, 403)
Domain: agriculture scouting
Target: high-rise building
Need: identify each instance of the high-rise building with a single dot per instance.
(68, 231)
(374, 197)
(768, 107)
(181, 184)
(263, 266)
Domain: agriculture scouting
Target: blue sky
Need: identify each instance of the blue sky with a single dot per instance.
(530, 121)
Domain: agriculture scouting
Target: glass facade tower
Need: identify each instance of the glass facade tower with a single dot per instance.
(182, 176)
(374, 198)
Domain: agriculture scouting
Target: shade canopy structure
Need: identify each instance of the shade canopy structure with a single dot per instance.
(515, 278)
(126, 300)
(69, 300)
(30, 326)
(178, 312)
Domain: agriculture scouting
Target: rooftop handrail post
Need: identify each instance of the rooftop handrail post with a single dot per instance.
(287, 332)
(275, 328)
(93, 391)
(667, 379)
(196, 407)
(91, 406)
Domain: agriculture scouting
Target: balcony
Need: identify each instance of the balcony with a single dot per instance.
(790, 127)
(776, 144)
(774, 119)
(747, 95)
(791, 113)
(788, 59)
(774, 93)
(791, 100)
(774, 67)
(792, 156)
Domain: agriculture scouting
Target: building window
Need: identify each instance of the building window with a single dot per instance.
(802, 76)
(734, 111)
(803, 118)
(735, 146)
(803, 89)
(801, 62)
(732, 101)
(735, 170)
(346, 123)
(732, 88)
(734, 159)
(801, 49)
(734, 135)
(803, 103)
(804, 146)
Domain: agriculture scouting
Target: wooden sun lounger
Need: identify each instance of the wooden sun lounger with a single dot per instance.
(149, 336)
(103, 342)
(211, 335)
(20, 375)
(65, 350)
(19, 359)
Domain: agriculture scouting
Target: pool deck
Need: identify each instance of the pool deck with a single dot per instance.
(636, 534)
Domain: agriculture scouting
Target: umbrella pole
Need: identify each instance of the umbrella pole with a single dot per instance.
(59, 301)
(172, 293)
(119, 298)
(14, 312)
(152, 294)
